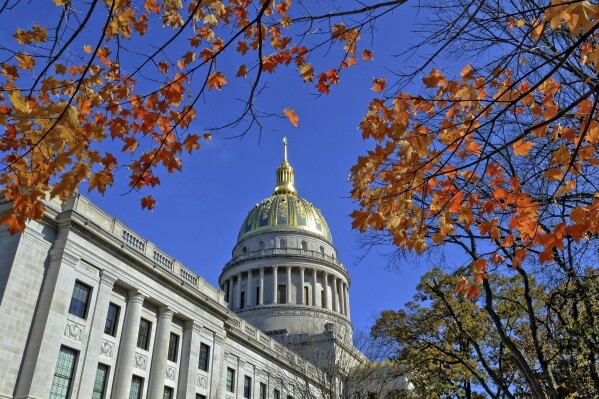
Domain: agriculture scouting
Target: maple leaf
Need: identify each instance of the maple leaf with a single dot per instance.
(292, 116)
(378, 84)
(148, 202)
(99, 181)
(15, 224)
(307, 72)
(367, 55)
(191, 142)
(216, 80)
(522, 147)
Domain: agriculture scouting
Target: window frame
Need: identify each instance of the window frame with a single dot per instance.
(276, 394)
(146, 343)
(171, 393)
(230, 382)
(282, 294)
(247, 387)
(111, 325)
(204, 357)
(141, 386)
(63, 377)
(100, 393)
(78, 307)
(173, 350)
(262, 392)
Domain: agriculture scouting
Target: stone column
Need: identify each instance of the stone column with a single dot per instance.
(126, 358)
(314, 285)
(334, 294)
(159, 354)
(261, 296)
(186, 387)
(248, 296)
(231, 296)
(238, 292)
(218, 357)
(90, 361)
(303, 300)
(275, 284)
(347, 301)
(288, 284)
(325, 287)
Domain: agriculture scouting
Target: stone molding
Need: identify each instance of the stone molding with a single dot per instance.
(74, 330)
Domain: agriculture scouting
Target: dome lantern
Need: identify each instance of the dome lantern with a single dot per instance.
(285, 175)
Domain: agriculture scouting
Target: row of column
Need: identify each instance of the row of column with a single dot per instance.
(338, 302)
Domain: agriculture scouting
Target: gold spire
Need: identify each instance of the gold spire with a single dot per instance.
(285, 175)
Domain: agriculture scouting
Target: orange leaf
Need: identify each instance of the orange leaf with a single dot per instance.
(467, 72)
(292, 116)
(87, 48)
(522, 147)
(367, 55)
(216, 80)
(378, 84)
(191, 143)
(148, 202)
(14, 223)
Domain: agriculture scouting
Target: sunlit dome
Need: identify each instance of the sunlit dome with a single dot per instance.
(285, 209)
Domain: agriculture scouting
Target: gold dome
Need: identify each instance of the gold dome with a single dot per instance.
(285, 209)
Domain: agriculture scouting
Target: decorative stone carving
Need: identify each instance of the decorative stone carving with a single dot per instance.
(74, 331)
(170, 373)
(141, 361)
(201, 381)
(250, 330)
(107, 348)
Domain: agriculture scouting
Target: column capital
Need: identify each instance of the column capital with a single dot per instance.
(107, 278)
(165, 312)
(136, 295)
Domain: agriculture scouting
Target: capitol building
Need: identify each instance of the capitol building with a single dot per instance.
(90, 309)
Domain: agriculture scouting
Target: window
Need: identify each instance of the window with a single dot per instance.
(80, 300)
(304, 245)
(242, 300)
(283, 243)
(230, 380)
(322, 298)
(168, 393)
(262, 390)
(289, 397)
(282, 294)
(257, 295)
(306, 295)
(261, 245)
(247, 387)
(198, 396)
(204, 357)
(322, 249)
(112, 319)
(277, 394)
(143, 337)
(100, 382)
(173, 346)
(137, 384)
(63, 374)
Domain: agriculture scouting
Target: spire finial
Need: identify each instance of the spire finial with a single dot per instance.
(285, 175)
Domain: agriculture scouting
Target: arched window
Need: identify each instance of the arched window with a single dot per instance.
(322, 249)
(304, 245)
(283, 243)
(244, 250)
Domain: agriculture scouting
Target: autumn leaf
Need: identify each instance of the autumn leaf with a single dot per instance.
(292, 116)
(191, 143)
(522, 148)
(216, 81)
(148, 202)
(307, 72)
(378, 84)
(367, 55)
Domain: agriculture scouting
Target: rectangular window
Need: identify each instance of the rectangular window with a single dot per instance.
(204, 357)
(80, 300)
(143, 336)
(112, 319)
(168, 393)
(63, 374)
(306, 296)
(262, 390)
(173, 346)
(257, 295)
(242, 300)
(230, 380)
(137, 384)
(100, 382)
(247, 387)
(198, 396)
(289, 397)
(282, 294)
(277, 394)
(322, 299)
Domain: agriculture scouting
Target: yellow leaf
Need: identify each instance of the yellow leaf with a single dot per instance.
(18, 102)
(61, 2)
(292, 116)
(87, 48)
(306, 71)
